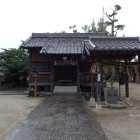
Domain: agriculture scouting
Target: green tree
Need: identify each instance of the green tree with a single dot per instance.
(101, 27)
(90, 28)
(15, 64)
(73, 29)
(102, 24)
(113, 20)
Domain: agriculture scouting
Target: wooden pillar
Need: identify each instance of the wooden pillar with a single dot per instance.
(126, 82)
(119, 81)
(126, 86)
(98, 84)
(52, 76)
(102, 86)
(35, 82)
(35, 76)
(78, 78)
(92, 85)
(139, 67)
(30, 63)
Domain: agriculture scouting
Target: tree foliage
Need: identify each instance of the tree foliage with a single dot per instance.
(113, 20)
(15, 64)
(102, 27)
(102, 24)
(92, 28)
(73, 29)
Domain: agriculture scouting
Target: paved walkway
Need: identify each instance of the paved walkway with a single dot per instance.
(58, 117)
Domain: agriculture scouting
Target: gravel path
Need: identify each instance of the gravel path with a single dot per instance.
(13, 108)
(16, 91)
(59, 117)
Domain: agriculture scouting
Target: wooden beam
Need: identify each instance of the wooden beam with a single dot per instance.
(118, 63)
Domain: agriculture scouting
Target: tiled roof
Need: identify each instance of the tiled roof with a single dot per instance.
(35, 42)
(75, 43)
(64, 46)
(58, 43)
(115, 43)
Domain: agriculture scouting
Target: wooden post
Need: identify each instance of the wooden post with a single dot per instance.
(119, 82)
(35, 82)
(99, 84)
(30, 63)
(126, 86)
(139, 67)
(102, 86)
(52, 77)
(126, 82)
(92, 85)
(119, 90)
(78, 79)
(35, 75)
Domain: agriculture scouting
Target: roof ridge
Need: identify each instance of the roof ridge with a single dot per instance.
(114, 38)
(36, 35)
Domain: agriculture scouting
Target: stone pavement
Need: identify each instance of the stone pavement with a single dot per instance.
(58, 117)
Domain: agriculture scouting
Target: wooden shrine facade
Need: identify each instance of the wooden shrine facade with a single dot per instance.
(77, 59)
(55, 70)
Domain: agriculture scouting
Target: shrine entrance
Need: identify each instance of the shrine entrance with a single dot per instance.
(65, 75)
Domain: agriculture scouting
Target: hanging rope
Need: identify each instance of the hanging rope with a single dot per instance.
(93, 68)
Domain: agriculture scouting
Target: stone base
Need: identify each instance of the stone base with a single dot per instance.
(92, 102)
(98, 108)
(117, 106)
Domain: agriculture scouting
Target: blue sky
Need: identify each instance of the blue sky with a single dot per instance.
(20, 18)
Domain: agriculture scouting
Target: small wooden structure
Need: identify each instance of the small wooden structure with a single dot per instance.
(78, 59)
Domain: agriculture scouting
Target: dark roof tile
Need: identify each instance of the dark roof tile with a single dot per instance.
(73, 43)
(63, 46)
(116, 43)
(58, 43)
(35, 42)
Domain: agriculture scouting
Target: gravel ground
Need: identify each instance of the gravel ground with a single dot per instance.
(58, 117)
(122, 124)
(118, 124)
(13, 108)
